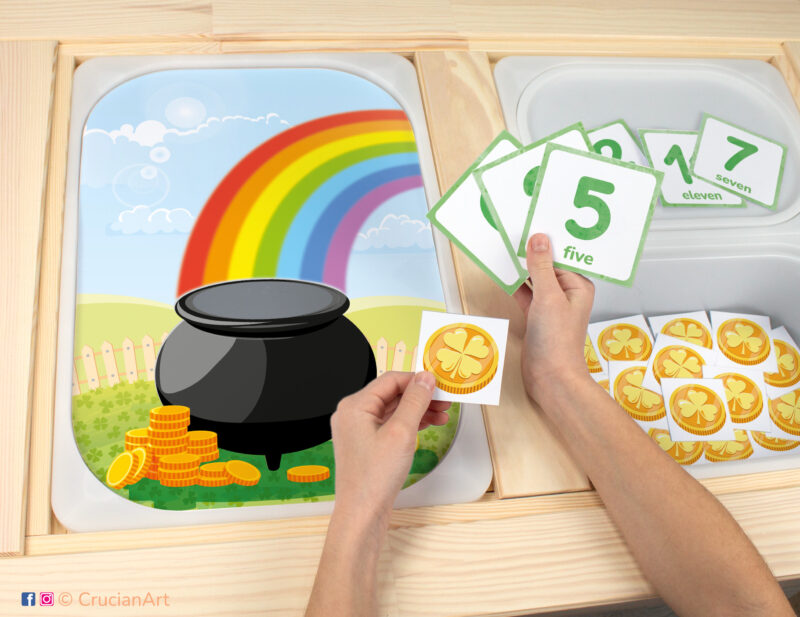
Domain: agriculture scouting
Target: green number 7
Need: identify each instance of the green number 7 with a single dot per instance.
(746, 150)
(584, 200)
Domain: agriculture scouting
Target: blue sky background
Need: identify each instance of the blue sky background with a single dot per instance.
(155, 147)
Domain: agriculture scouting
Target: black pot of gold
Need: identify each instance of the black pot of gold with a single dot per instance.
(263, 363)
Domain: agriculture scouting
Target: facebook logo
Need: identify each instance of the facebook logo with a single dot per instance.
(28, 598)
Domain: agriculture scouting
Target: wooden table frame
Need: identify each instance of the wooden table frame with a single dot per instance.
(491, 557)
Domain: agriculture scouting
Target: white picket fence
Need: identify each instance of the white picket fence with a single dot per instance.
(109, 358)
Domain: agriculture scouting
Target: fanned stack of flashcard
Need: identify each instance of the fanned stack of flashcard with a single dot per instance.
(706, 390)
(593, 193)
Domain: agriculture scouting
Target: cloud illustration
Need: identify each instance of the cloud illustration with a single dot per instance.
(152, 132)
(148, 220)
(396, 231)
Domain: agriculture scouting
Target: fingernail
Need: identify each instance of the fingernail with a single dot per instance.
(540, 242)
(426, 380)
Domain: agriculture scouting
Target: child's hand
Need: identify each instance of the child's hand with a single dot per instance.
(557, 317)
(374, 434)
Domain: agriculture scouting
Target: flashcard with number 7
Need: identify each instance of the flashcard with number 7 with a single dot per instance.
(739, 161)
(596, 211)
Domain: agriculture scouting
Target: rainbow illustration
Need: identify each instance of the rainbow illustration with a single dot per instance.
(292, 207)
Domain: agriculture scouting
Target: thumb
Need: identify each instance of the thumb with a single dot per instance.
(414, 402)
(540, 265)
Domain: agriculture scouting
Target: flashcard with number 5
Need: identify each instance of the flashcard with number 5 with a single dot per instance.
(596, 211)
(742, 162)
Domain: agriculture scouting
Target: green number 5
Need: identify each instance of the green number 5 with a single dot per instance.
(746, 150)
(584, 200)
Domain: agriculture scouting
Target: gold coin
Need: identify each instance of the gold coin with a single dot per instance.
(167, 450)
(169, 413)
(201, 438)
(214, 470)
(171, 433)
(243, 472)
(177, 474)
(214, 482)
(178, 483)
(205, 457)
(136, 436)
(139, 467)
(462, 356)
(168, 425)
(743, 341)
(180, 440)
(184, 460)
(308, 473)
(119, 469)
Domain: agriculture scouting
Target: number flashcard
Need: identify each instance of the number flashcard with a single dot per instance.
(596, 211)
(743, 340)
(616, 140)
(645, 406)
(696, 410)
(466, 353)
(464, 217)
(670, 151)
(740, 161)
(507, 183)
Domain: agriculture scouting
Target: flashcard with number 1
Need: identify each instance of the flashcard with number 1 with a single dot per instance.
(670, 151)
(596, 211)
(739, 161)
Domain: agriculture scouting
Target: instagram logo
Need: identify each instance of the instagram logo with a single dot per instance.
(46, 598)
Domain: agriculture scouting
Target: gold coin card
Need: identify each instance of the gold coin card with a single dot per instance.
(645, 406)
(626, 339)
(745, 394)
(677, 359)
(696, 410)
(465, 353)
(693, 327)
(743, 340)
(787, 353)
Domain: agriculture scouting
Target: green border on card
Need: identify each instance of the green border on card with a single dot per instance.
(659, 176)
(606, 125)
(664, 202)
(431, 215)
(774, 205)
(578, 126)
(478, 172)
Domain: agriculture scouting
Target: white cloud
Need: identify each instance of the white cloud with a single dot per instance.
(149, 220)
(396, 231)
(152, 132)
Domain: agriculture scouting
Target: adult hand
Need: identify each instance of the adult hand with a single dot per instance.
(557, 313)
(374, 434)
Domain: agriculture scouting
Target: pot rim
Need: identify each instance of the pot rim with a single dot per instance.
(262, 326)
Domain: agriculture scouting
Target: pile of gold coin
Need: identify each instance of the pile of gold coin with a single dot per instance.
(167, 451)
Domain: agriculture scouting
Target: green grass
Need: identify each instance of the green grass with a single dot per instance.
(101, 417)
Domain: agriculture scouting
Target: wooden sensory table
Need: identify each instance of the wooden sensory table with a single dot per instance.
(541, 541)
